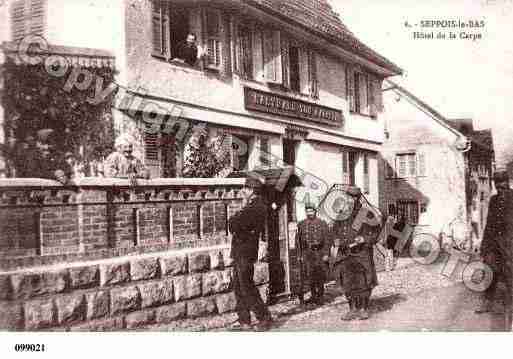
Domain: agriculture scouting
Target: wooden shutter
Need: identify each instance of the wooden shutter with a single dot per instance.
(304, 84)
(226, 38)
(345, 167)
(258, 63)
(372, 93)
(378, 94)
(212, 26)
(152, 152)
(402, 166)
(18, 25)
(366, 176)
(350, 88)
(285, 62)
(272, 56)
(160, 29)
(421, 164)
(37, 17)
(312, 75)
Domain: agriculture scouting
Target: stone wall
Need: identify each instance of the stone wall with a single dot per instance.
(102, 255)
(121, 293)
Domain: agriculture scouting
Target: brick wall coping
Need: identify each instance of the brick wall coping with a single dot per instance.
(113, 260)
(21, 183)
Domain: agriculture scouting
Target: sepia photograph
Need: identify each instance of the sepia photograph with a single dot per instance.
(261, 166)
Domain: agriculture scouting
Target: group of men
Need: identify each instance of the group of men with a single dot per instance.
(352, 251)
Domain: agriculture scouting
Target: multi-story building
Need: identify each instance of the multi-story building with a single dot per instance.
(437, 171)
(282, 80)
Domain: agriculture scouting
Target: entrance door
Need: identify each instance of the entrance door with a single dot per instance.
(276, 264)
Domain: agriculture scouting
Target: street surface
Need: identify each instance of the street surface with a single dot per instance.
(413, 297)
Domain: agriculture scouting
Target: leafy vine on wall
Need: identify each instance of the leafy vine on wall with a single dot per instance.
(40, 115)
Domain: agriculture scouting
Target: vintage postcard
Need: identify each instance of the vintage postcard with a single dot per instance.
(255, 166)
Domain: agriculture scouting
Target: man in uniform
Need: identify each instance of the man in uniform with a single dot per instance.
(247, 228)
(497, 245)
(354, 250)
(314, 241)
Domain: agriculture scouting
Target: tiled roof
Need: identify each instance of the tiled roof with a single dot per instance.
(319, 17)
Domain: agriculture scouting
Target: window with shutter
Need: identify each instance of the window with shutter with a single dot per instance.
(28, 18)
(285, 62)
(350, 89)
(372, 97)
(366, 175)
(213, 38)
(152, 152)
(303, 72)
(357, 92)
(412, 165)
(421, 164)
(402, 163)
(18, 20)
(245, 52)
(37, 17)
(312, 75)
(272, 56)
(364, 91)
(345, 167)
(348, 167)
(294, 69)
(161, 29)
(258, 63)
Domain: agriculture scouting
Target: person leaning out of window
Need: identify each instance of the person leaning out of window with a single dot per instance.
(189, 52)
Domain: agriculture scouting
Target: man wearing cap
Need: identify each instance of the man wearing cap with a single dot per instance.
(247, 227)
(314, 240)
(355, 257)
(497, 245)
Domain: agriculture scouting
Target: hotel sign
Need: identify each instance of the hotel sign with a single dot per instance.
(285, 106)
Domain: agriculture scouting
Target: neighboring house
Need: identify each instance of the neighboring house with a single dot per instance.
(436, 170)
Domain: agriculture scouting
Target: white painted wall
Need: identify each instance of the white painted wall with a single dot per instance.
(97, 24)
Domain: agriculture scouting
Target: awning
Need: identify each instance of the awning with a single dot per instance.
(278, 178)
(74, 56)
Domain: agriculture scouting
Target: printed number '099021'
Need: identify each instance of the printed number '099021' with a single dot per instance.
(29, 347)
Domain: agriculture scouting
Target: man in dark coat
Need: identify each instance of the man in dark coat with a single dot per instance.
(188, 50)
(355, 259)
(497, 245)
(247, 228)
(314, 240)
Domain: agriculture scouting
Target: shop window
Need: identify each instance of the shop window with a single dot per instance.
(27, 18)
